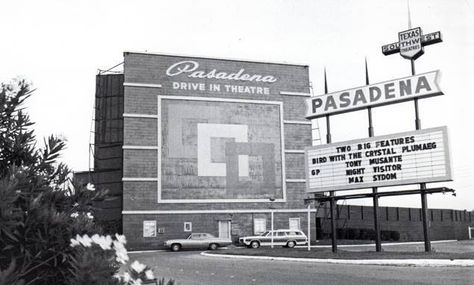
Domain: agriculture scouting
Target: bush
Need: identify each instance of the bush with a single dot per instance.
(385, 235)
(395, 236)
(341, 233)
(48, 234)
(350, 233)
(366, 234)
(356, 233)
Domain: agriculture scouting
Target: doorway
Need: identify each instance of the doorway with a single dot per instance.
(224, 229)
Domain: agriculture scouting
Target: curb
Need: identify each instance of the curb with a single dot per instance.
(147, 251)
(383, 244)
(390, 262)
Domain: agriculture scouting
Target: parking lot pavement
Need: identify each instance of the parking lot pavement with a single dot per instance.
(189, 267)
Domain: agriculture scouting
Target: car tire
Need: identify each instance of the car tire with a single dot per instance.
(291, 244)
(175, 247)
(213, 246)
(254, 244)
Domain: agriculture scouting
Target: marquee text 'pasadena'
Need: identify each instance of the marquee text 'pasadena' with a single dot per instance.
(190, 68)
(389, 92)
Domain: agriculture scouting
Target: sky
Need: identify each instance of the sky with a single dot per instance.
(60, 45)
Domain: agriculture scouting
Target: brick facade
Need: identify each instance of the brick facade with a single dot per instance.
(143, 69)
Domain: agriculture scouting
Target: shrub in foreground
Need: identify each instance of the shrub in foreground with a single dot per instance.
(48, 234)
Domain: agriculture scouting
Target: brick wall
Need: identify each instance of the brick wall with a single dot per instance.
(139, 131)
(172, 226)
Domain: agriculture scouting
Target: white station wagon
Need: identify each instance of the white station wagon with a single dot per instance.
(287, 238)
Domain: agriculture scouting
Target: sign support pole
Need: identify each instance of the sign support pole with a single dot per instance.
(332, 202)
(378, 243)
(309, 227)
(412, 50)
(424, 200)
(331, 194)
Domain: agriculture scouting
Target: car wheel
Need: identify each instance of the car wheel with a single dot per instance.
(213, 246)
(175, 247)
(255, 244)
(291, 244)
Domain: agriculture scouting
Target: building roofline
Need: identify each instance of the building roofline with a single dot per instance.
(216, 58)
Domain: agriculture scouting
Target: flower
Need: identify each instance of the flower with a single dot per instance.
(89, 215)
(149, 274)
(90, 187)
(137, 266)
(137, 282)
(74, 215)
(126, 277)
(75, 242)
(102, 241)
(75, 204)
(108, 239)
(85, 240)
(120, 252)
(121, 238)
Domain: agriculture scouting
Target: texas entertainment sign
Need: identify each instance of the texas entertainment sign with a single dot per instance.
(383, 93)
(410, 43)
(396, 159)
(427, 39)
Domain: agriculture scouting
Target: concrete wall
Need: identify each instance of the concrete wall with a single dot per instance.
(443, 223)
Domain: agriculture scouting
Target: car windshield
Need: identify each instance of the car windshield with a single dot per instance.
(264, 233)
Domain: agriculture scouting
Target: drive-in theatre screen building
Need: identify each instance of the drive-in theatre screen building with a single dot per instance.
(192, 144)
(209, 145)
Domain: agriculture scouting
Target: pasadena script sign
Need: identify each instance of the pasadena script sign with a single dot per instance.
(191, 69)
(396, 159)
(384, 93)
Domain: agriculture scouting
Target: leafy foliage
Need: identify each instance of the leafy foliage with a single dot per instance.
(36, 198)
(16, 141)
(41, 209)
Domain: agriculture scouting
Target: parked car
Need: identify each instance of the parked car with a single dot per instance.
(197, 240)
(286, 238)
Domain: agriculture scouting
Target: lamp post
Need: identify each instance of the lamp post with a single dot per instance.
(272, 229)
(271, 207)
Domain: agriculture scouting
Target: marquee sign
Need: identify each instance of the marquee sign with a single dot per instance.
(395, 159)
(378, 94)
